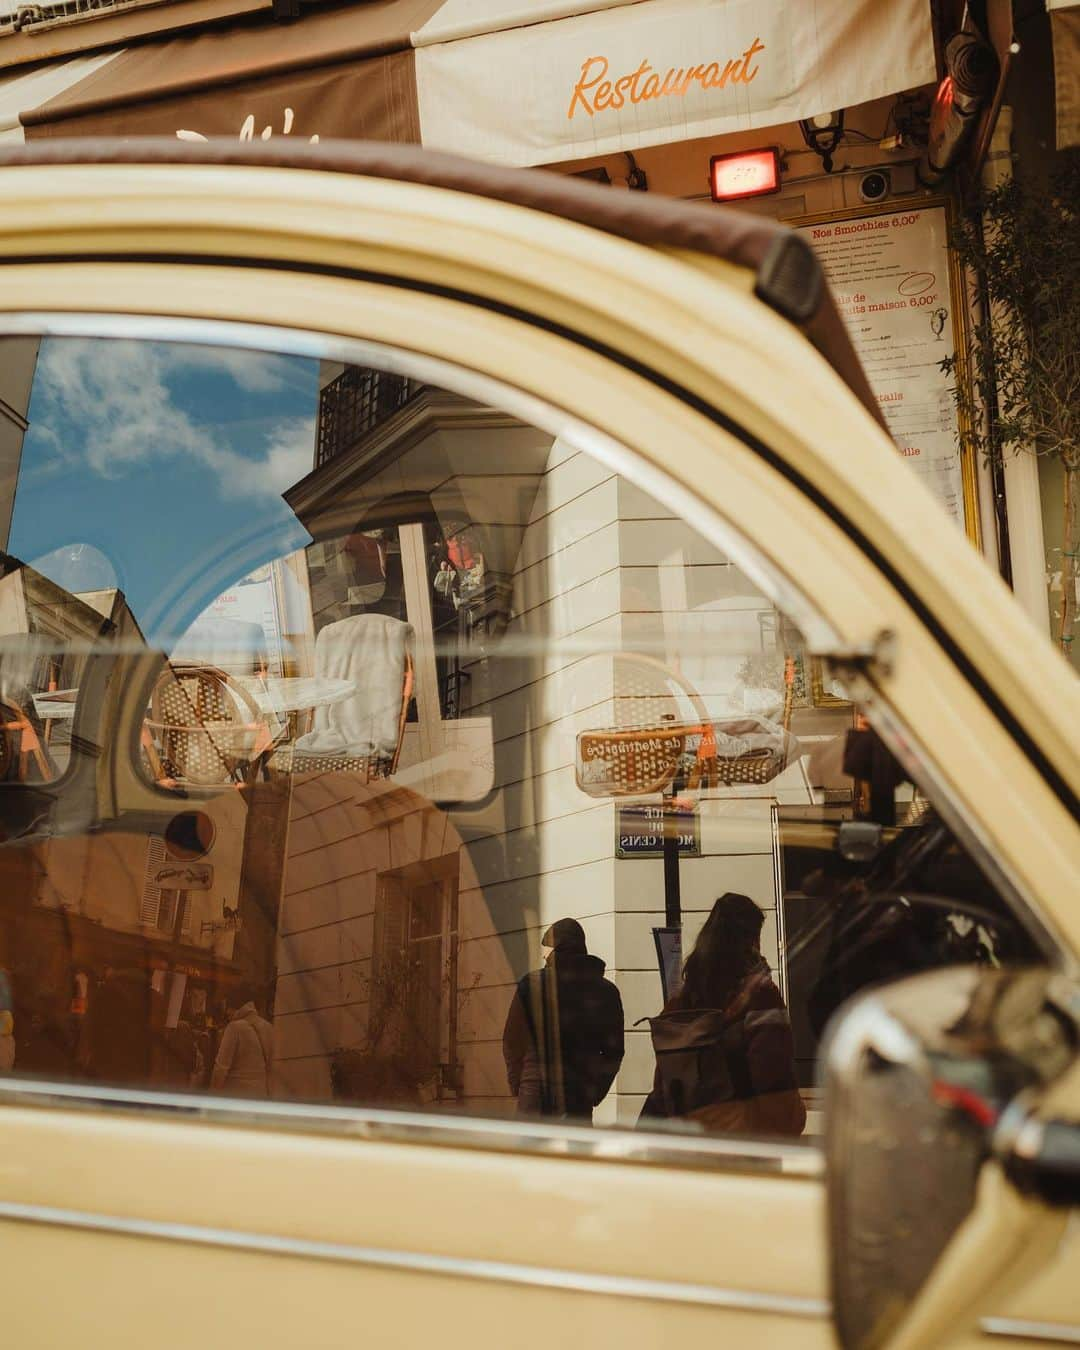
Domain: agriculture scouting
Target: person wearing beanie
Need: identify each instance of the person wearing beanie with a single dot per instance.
(563, 1041)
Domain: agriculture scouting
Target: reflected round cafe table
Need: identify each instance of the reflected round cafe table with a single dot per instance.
(272, 694)
(293, 694)
(288, 696)
(282, 696)
(57, 705)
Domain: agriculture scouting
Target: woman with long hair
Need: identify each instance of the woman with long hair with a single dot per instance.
(724, 1050)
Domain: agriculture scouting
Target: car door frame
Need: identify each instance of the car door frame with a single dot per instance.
(549, 364)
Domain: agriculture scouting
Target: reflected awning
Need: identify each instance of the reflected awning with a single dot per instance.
(509, 81)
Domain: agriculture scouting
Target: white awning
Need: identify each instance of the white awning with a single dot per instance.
(458, 19)
(23, 91)
(544, 82)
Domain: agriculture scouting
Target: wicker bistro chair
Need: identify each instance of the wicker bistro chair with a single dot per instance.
(204, 728)
(637, 762)
(651, 744)
(651, 748)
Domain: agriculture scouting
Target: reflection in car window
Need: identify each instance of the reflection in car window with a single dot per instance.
(448, 769)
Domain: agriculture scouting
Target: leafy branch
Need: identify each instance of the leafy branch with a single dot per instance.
(1023, 245)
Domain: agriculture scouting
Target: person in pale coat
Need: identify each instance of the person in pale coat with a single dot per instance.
(246, 1052)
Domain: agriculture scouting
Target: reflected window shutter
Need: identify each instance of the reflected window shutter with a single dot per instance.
(150, 903)
(389, 993)
(393, 915)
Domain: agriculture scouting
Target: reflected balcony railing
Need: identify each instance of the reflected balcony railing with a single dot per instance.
(354, 404)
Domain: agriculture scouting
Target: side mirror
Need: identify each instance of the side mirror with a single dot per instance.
(926, 1081)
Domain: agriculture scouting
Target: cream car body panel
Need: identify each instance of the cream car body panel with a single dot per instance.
(315, 254)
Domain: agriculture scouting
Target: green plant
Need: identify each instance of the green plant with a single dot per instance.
(362, 1075)
(1023, 244)
(380, 1070)
(392, 1065)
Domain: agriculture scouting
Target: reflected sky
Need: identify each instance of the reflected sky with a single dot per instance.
(158, 469)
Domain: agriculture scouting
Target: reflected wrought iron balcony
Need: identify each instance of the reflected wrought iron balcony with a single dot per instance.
(22, 15)
(354, 404)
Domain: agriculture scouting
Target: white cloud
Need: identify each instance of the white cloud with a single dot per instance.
(254, 372)
(286, 457)
(117, 396)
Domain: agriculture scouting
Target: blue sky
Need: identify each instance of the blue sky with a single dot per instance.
(159, 468)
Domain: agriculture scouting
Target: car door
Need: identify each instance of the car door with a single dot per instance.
(349, 435)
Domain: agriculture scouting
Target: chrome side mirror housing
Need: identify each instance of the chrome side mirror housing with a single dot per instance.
(926, 1080)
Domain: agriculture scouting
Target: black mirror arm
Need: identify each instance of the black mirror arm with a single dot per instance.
(945, 903)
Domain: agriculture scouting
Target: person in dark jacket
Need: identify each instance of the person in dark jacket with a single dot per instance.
(724, 1050)
(563, 1041)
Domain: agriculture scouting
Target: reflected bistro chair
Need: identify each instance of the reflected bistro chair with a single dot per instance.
(204, 728)
(20, 745)
(644, 752)
(363, 733)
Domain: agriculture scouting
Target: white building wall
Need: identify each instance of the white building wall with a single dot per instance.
(553, 856)
(599, 567)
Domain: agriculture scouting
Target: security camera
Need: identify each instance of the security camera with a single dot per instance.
(874, 186)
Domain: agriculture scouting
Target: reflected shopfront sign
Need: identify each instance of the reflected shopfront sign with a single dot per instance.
(640, 830)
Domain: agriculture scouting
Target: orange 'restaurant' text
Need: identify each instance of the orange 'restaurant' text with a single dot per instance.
(594, 92)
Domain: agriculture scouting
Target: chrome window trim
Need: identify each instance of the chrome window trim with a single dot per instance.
(537, 1138)
(1027, 1329)
(455, 1267)
(909, 751)
(778, 891)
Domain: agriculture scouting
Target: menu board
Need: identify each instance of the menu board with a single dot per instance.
(253, 601)
(889, 273)
(240, 631)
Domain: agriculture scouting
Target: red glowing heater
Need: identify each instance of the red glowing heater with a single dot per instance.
(747, 173)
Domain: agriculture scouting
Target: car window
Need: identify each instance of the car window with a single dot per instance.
(364, 743)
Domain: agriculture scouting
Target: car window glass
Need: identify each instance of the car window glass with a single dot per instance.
(363, 743)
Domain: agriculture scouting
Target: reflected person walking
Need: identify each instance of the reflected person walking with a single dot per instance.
(724, 1050)
(246, 1052)
(563, 1041)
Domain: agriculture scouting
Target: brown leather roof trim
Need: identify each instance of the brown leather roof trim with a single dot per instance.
(747, 240)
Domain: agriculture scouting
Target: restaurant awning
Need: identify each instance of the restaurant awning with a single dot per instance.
(510, 81)
(628, 75)
(343, 72)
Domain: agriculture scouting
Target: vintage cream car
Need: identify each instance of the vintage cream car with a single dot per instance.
(402, 556)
